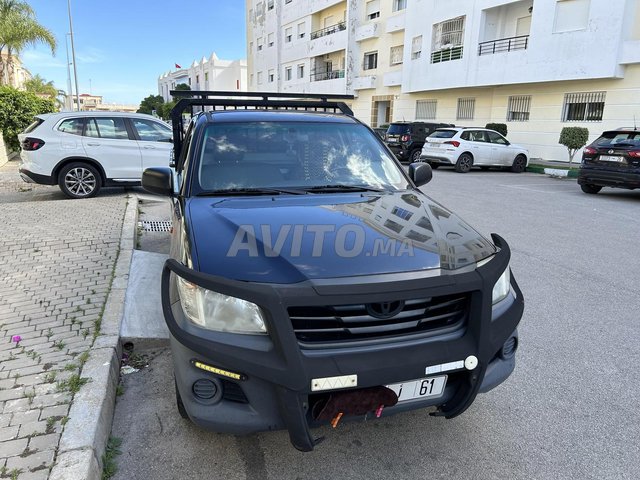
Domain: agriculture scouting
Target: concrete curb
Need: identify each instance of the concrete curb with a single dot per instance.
(86, 433)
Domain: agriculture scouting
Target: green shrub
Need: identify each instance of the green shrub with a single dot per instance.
(498, 127)
(17, 110)
(574, 138)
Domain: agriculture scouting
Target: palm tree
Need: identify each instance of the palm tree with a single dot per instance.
(19, 29)
(39, 85)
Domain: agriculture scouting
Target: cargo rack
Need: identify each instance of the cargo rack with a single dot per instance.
(196, 101)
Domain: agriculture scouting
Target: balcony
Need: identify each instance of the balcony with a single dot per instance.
(338, 27)
(395, 23)
(366, 32)
(447, 54)
(364, 82)
(322, 76)
(392, 79)
(503, 45)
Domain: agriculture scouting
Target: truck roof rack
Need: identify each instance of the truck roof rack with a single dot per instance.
(195, 101)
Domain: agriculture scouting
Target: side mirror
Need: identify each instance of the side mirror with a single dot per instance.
(158, 180)
(420, 173)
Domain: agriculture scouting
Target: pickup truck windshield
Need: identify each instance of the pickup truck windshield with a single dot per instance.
(261, 155)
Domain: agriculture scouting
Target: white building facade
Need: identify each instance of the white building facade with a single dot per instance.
(536, 65)
(207, 74)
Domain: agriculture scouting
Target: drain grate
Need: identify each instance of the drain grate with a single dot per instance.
(155, 225)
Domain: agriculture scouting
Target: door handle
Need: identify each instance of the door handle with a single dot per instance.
(93, 144)
(149, 147)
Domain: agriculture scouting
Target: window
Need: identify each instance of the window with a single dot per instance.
(426, 109)
(416, 47)
(197, 79)
(288, 73)
(396, 53)
(301, 30)
(73, 126)
(288, 34)
(571, 15)
(149, 131)
(466, 108)
(373, 9)
(448, 39)
(370, 61)
(402, 213)
(270, 4)
(206, 76)
(583, 107)
(287, 1)
(391, 225)
(272, 76)
(189, 81)
(251, 79)
(300, 71)
(107, 127)
(519, 107)
(259, 78)
(270, 40)
(399, 5)
(497, 138)
(259, 43)
(251, 46)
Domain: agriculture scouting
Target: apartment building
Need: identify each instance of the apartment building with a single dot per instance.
(206, 74)
(536, 65)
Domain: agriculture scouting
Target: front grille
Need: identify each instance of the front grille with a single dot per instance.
(343, 323)
(233, 392)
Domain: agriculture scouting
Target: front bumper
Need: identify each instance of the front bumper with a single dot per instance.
(609, 178)
(275, 389)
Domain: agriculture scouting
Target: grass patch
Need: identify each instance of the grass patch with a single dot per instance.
(110, 467)
(83, 357)
(72, 384)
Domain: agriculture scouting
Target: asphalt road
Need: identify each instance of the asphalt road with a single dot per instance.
(568, 411)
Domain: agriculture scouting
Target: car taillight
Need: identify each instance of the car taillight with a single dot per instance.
(589, 151)
(405, 138)
(31, 144)
(453, 142)
(634, 153)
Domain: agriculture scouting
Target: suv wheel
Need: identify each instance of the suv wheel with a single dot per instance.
(588, 188)
(519, 164)
(464, 163)
(414, 156)
(79, 180)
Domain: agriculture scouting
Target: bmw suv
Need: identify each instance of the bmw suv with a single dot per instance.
(613, 160)
(82, 152)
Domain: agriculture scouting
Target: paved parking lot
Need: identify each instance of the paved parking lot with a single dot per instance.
(56, 261)
(568, 411)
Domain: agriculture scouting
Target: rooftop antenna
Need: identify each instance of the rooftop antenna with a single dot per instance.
(635, 127)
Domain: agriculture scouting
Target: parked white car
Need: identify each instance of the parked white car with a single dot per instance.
(464, 148)
(82, 152)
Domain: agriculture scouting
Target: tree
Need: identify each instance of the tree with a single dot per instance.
(182, 86)
(151, 103)
(19, 29)
(39, 85)
(165, 111)
(574, 138)
(17, 110)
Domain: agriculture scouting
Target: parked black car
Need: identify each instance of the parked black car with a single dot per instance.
(311, 279)
(613, 160)
(406, 139)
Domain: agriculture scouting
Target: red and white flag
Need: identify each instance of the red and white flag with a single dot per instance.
(177, 66)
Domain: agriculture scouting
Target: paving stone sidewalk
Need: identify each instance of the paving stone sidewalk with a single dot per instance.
(56, 263)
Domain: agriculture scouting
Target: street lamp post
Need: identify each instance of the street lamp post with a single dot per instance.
(69, 89)
(73, 55)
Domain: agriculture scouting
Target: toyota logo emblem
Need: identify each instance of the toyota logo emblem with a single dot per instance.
(384, 310)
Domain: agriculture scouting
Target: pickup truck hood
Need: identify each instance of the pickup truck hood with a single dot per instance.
(289, 239)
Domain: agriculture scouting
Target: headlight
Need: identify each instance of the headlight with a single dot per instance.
(502, 286)
(215, 311)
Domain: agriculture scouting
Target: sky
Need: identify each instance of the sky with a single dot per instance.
(122, 46)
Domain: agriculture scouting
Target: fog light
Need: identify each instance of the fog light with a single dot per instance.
(204, 389)
(509, 348)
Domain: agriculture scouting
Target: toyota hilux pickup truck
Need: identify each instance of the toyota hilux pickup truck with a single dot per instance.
(310, 280)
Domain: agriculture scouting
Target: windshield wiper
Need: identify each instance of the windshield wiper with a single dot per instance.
(250, 191)
(343, 188)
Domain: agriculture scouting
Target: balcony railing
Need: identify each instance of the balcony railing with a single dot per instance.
(503, 45)
(445, 55)
(338, 27)
(320, 76)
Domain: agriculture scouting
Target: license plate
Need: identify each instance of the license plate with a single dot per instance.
(423, 388)
(612, 158)
(434, 145)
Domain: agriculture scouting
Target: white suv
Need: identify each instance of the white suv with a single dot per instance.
(469, 147)
(84, 151)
